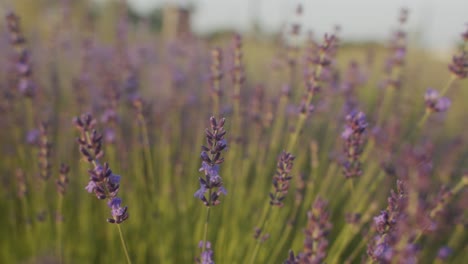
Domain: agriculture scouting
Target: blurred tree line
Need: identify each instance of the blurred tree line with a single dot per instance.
(43, 16)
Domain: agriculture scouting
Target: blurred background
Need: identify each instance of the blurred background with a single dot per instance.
(433, 24)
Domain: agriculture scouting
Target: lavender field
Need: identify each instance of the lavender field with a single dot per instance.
(123, 143)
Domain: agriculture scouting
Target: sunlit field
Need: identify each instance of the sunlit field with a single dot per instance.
(121, 143)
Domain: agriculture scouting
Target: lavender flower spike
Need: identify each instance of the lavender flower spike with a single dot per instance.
(353, 133)
(211, 159)
(206, 256)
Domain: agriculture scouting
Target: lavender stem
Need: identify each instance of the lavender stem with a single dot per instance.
(123, 244)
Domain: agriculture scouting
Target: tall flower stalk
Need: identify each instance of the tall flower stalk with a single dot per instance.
(281, 183)
(102, 181)
(62, 184)
(211, 183)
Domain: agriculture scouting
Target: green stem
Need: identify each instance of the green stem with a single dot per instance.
(147, 153)
(205, 232)
(448, 85)
(350, 185)
(423, 120)
(123, 244)
(59, 226)
(263, 225)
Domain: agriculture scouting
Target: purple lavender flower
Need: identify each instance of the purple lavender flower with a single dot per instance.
(443, 104)
(102, 182)
(206, 256)
(353, 135)
(211, 158)
(315, 242)
(282, 178)
(444, 253)
(91, 186)
(434, 102)
(119, 213)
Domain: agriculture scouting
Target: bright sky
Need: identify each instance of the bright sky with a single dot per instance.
(439, 22)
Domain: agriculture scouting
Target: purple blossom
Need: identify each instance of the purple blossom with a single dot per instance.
(32, 136)
(114, 179)
(119, 213)
(444, 253)
(347, 132)
(431, 95)
(206, 256)
(223, 190)
(210, 170)
(443, 104)
(200, 193)
(436, 103)
(91, 186)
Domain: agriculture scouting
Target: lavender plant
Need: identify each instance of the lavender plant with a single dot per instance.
(102, 182)
(211, 184)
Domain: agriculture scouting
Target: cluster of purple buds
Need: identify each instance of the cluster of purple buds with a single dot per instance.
(44, 152)
(459, 65)
(316, 242)
(25, 84)
(238, 71)
(62, 181)
(398, 50)
(102, 182)
(206, 256)
(211, 159)
(381, 247)
(282, 178)
(318, 70)
(216, 71)
(353, 136)
(434, 102)
(119, 213)
(90, 141)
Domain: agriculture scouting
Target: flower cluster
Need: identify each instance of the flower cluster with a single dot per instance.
(316, 242)
(459, 65)
(356, 125)
(119, 213)
(44, 151)
(238, 70)
(206, 256)
(381, 247)
(398, 50)
(211, 159)
(22, 61)
(319, 70)
(434, 102)
(102, 182)
(282, 178)
(62, 181)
